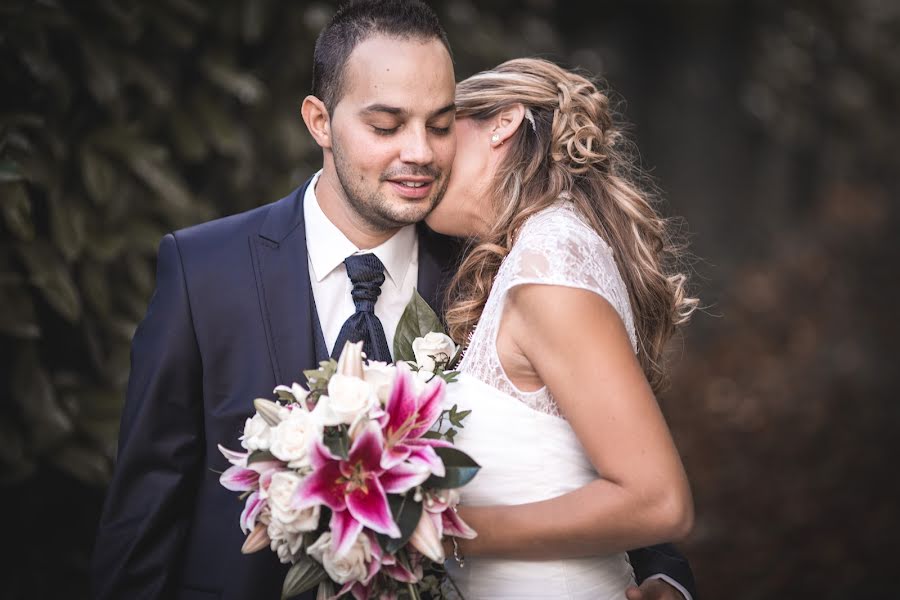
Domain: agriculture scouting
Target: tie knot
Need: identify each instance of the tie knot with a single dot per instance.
(366, 273)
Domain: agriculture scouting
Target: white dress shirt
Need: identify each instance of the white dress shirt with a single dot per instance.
(327, 248)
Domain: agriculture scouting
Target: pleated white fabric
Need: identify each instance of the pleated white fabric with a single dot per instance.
(526, 456)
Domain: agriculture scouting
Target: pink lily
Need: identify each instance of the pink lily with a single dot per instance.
(241, 477)
(407, 417)
(440, 507)
(252, 508)
(356, 488)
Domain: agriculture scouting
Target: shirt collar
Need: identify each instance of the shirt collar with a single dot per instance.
(328, 246)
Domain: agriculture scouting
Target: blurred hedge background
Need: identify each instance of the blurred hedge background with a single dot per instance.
(772, 127)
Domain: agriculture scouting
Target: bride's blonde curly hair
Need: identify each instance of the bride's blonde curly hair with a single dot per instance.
(569, 147)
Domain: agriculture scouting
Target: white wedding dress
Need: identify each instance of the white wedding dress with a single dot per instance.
(527, 451)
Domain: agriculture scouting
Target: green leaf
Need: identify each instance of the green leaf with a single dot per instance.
(459, 466)
(418, 319)
(164, 181)
(84, 463)
(99, 176)
(187, 137)
(406, 512)
(68, 224)
(16, 463)
(304, 575)
(51, 276)
(457, 417)
(260, 456)
(95, 286)
(9, 172)
(144, 238)
(244, 86)
(339, 442)
(140, 273)
(33, 390)
(221, 129)
(105, 247)
(17, 210)
(101, 76)
(17, 317)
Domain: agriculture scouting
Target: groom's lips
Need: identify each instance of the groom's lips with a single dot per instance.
(412, 193)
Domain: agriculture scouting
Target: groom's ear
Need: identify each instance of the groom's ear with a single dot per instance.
(317, 120)
(507, 122)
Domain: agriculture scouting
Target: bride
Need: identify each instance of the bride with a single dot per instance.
(566, 279)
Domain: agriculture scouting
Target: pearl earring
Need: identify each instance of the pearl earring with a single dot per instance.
(495, 138)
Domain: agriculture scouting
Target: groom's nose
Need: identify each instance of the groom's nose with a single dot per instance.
(417, 147)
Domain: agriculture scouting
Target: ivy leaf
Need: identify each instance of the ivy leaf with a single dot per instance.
(457, 417)
(418, 319)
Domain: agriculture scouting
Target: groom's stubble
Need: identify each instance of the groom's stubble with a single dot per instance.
(373, 207)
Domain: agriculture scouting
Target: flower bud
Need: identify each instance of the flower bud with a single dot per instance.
(426, 539)
(257, 540)
(350, 361)
(268, 410)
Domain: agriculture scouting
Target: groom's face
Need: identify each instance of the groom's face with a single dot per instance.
(392, 129)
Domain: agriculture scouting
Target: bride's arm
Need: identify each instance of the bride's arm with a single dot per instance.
(577, 345)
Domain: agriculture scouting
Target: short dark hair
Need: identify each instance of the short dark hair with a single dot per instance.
(356, 21)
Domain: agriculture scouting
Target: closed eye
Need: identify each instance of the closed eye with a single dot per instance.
(384, 131)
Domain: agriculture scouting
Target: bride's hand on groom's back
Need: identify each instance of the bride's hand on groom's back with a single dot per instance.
(653, 589)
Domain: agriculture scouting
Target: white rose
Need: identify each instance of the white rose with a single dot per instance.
(349, 567)
(381, 376)
(257, 434)
(280, 494)
(291, 439)
(349, 398)
(433, 346)
(287, 545)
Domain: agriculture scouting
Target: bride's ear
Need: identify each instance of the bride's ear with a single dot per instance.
(506, 122)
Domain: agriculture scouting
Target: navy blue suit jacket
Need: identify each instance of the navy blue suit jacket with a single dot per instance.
(232, 316)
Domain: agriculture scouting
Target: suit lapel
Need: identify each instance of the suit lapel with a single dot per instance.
(282, 281)
(437, 257)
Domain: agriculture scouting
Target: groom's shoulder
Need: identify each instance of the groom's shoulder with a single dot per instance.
(219, 236)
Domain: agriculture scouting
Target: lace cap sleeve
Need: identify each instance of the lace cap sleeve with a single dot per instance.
(556, 247)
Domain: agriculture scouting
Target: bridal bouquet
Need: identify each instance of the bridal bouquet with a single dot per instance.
(353, 479)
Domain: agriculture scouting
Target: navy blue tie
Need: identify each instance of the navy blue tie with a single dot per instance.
(366, 273)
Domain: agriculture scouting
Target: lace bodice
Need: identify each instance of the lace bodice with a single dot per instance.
(554, 247)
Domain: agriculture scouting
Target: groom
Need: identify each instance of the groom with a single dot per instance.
(249, 301)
